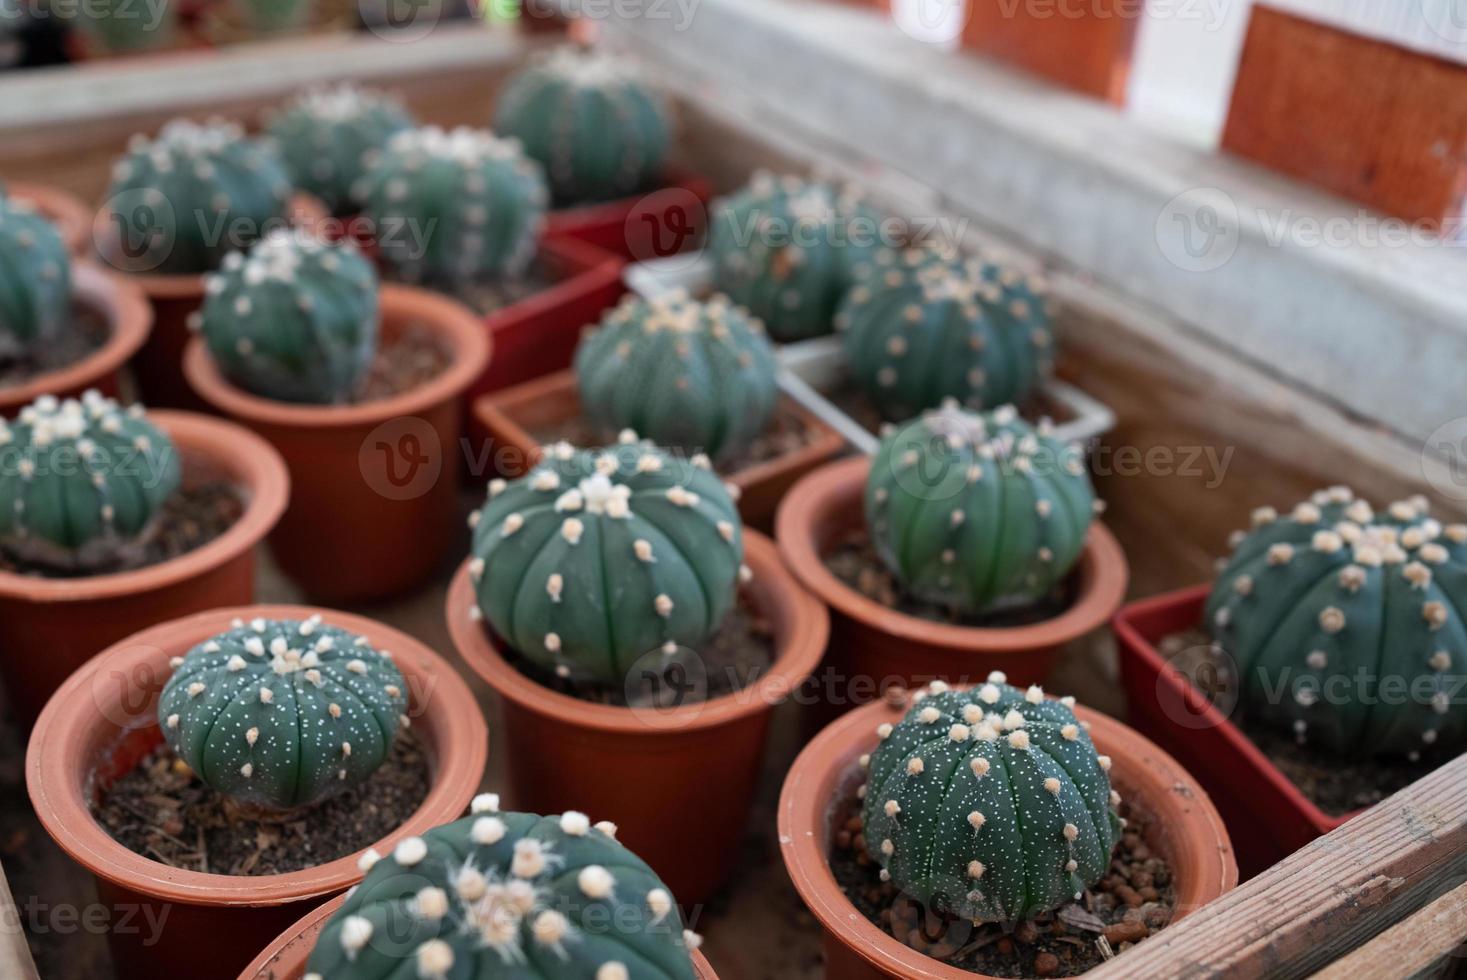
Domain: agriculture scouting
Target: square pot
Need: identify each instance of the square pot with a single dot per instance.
(512, 416)
(655, 223)
(1270, 817)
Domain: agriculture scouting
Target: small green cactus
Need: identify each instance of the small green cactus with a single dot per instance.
(599, 130)
(1345, 625)
(82, 483)
(182, 201)
(694, 376)
(990, 803)
(596, 558)
(329, 137)
(787, 249)
(449, 208)
(978, 512)
(281, 714)
(924, 325)
(35, 280)
(295, 319)
(507, 895)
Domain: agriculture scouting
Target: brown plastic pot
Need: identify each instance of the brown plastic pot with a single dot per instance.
(512, 416)
(873, 647)
(678, 781)
(159, 365)
(49, 627)
(374, 509)
(102, 721)
(1185, 829)
(286, 957)
(66, 211)
(124, 307)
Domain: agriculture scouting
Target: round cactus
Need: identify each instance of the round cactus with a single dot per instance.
(787, 248)
(82, 483)
(598, 129)
(596, 558)
(977, 512)
(329, 137)
(35, 279)
(923, 325)
(453, 207)
(695, 376)
(1345, 625)
(295, 319)
(283, 713)
(182, 201)
(507, 895)
(990, 803)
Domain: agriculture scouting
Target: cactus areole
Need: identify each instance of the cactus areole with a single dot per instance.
(990, 803)
(507, 895)
(329, 138)
(35, 290)
(82, 483)
(597, 559)
(696, 376)
(283, 713)
(978, 512)
(1345, 625)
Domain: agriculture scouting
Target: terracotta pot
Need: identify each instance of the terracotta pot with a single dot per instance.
(285, 958)
(159, 365)
(374, 507)
(678, 782)
(125, 308)
(1185, 829)
(644, 226)
(1273, 818)
(101, 722)
(51, 626)
(511, 417)
(67, 212)
(873, 646)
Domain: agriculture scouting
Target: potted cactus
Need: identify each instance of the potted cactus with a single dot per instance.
(488, 857)
(694, 376)
(359, 390)
(111, 518)
(297, 744)
(69, 213)
(65, 326)
(966, 544)
(621, 612)
(603, 134)
(178, 203)
(993, 831)
(1318, 673)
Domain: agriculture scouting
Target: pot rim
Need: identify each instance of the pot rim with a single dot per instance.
(448, 318)
(253, 464)
(59, 738)
(804, 810)
(69, 213)
(286, 956)
(1102, 570)
(797, 655)
(129, 317)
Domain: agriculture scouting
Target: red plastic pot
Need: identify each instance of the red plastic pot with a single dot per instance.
(285, 958)
(678, 782)
(658, 223)
(374, 508)
(125, 308)
(67, 212)
(49, 627)
(102, 721)
(1186, 829)
(1272, 817)
(873, 647)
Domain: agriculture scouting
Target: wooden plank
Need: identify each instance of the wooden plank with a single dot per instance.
(1326, 898)
(1367, 119)
(1086, 47)
(1420, 946)
(15, 953)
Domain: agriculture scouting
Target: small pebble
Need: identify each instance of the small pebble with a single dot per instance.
(1046, 965)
